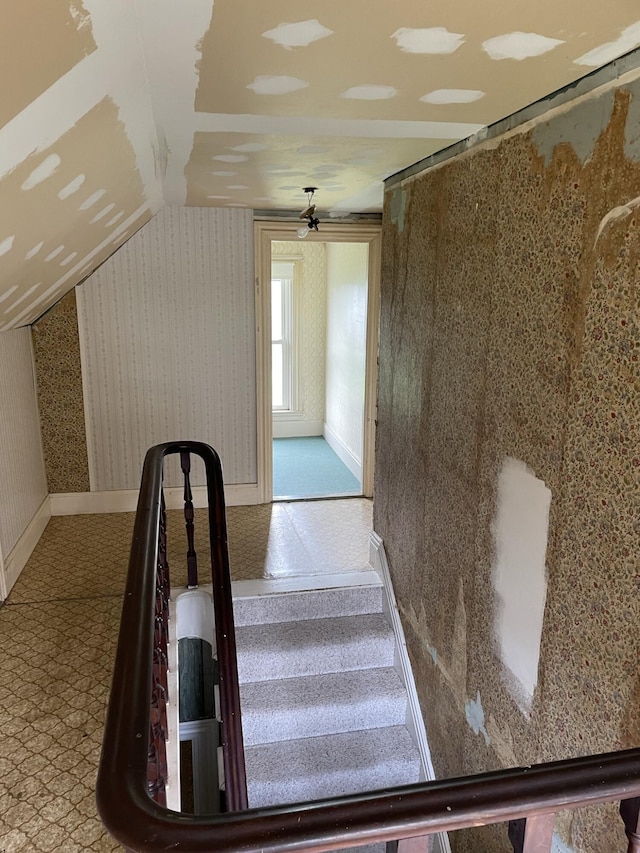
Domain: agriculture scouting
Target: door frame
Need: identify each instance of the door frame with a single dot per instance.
(264, 233)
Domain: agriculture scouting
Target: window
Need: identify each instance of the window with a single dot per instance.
(283, 359)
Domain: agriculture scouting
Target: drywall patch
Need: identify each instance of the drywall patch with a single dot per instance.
(230, 158)
(280, 84)
(452, 96)
(250, 147)
(580, 127)
(33, 252)
(72, 187)
(45, 170)
(92, 199)
(520, 579)
(519, 45)
(7, 244)
(398, 208)
(632, 128)
(427, 40)
(370, 92)
(300, 34)
(474, 713)
(607, 52)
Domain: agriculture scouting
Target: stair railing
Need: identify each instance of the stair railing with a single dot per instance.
(134, 759)
(132, 773)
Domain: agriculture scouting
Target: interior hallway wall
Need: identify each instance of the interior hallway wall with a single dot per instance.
(510, 339)
(347, 292)
(23, 485)
(167, 335)
(56, 347)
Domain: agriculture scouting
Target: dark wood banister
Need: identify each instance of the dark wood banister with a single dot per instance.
(140, 824)
(126, 736)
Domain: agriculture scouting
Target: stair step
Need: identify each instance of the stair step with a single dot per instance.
(293, 708)
(314, 604)
(333, 765)
(289, 649)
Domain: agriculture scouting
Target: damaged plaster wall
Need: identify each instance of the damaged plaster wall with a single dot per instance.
(510, 328)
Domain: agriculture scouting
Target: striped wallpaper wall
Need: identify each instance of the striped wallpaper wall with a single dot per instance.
(167, 337)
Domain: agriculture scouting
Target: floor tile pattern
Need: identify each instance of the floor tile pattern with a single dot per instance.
(58, 631)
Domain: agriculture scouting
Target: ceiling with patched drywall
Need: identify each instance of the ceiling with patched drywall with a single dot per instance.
(112, 108)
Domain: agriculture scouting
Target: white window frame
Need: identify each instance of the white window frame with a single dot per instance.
(288, 271)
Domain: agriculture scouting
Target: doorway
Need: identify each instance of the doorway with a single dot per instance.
(317, 308)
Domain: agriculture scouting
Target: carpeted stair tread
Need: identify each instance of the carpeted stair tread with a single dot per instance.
(345, 763)
(293, 708)
(310, 647)
(314, 604)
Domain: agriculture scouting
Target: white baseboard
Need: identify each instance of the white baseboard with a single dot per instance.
(295, 428)
(342, 451)
(126, 500)
(415, 721)
(21, 551)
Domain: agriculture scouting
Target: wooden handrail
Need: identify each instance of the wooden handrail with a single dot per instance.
(141, 824)
(126, 742)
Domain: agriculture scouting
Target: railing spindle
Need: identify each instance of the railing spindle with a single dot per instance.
(533, 834)
(192, 557)
(630, 813)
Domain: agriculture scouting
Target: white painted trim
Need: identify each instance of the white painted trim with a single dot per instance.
(332, 232)
(295, 428)
(22, 550)
(82, 340)
(415, 720)
(303, 583)
(342, 451)
(126, 500)
(173, 714)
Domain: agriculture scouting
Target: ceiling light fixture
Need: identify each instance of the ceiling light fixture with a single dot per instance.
(307, 213)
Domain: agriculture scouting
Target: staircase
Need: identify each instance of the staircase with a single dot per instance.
(323, 709)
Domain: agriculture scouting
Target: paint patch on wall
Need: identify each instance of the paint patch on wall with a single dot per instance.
(607, 52)
(474, 713)
(452, 96)
(398, 208)
(432, 40)
(580, 127)
(300, 34)
(370, 93)
(57, 33)
(519, 45)
(7, 244)
(519, 575)
(280, 84)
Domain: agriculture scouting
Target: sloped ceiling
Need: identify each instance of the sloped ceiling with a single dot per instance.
(112, 108)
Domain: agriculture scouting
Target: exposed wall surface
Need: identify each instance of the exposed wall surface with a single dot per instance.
(510, 330)
(312, 301)
(23, 485)
(347, 287)
(167, 336)
(59, 376)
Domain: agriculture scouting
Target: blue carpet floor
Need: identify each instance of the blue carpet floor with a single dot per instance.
(309, 468)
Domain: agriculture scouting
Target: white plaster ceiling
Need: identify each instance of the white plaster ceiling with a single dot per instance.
(112, 108)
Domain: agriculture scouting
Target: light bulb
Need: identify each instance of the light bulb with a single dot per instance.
(302, 232)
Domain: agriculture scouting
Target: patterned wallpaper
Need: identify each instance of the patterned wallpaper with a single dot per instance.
(347, 282)
(23, 485)
(59, 374)
(510, 328)
(167, 336)
(313, 315)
